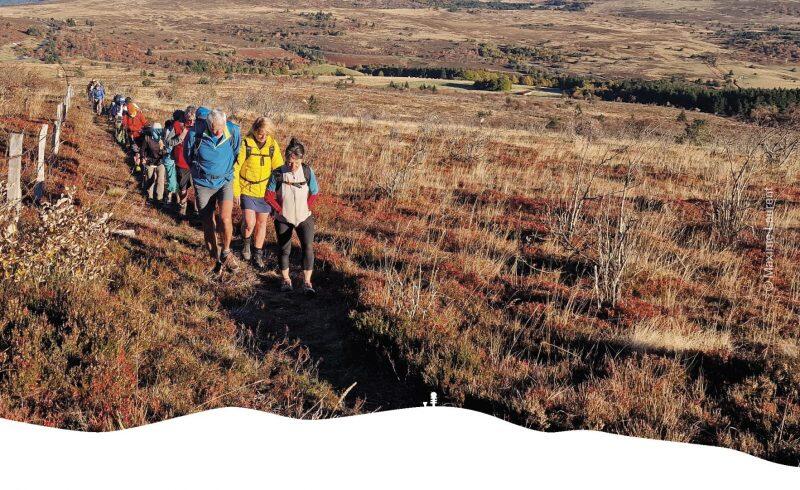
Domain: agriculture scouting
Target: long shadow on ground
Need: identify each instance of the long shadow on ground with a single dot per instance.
(320, 323)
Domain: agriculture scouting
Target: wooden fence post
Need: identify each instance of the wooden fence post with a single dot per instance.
(57, 129)
(67, 101)
(14, 183)
(38, 190)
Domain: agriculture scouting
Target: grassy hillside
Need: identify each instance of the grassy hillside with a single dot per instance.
(562, 264)
(102, 333)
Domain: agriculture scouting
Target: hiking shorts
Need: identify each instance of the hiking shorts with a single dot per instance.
(184, 178)
(257, 204)
(206, 199)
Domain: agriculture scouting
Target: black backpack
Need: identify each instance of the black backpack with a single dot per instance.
(279, 178)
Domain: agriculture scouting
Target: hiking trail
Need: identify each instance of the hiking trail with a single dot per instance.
(320, 323)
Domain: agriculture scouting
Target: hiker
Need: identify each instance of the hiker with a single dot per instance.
(151, 152)
(115, 116)
(98, 98)
(291, 192)
(89, 89)
(168, 160)
(258, 156)
(133, 121)
(211, 148)
(115, 108)
(181, 128)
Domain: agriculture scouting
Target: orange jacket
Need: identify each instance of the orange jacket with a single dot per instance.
(134, 122)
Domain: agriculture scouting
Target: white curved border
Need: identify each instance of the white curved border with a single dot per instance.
(418, 448)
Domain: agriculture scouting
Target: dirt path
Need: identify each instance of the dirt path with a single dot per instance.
(321, 324)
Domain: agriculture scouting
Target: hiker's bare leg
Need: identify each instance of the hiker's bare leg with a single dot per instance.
(307, 276)
(210, 235)
(249, 223)
(226, 211)
(183, 200)
(285, 275)
(262, 219)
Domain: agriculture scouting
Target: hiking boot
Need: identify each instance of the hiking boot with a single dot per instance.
(286, 286)
(217, 268)
(246, 254)
(258, 258)
(229, 261)
(308, 290)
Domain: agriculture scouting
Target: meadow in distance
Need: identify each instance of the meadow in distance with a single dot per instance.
(504, 221)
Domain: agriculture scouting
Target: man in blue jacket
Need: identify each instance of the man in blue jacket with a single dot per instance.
(212, 147)
(98, 98)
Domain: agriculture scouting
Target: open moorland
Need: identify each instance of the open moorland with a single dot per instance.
(757, 41)
(561, 263)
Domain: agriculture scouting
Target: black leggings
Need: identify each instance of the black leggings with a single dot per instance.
(305, 232)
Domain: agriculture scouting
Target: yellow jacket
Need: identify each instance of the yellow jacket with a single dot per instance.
(254, 166)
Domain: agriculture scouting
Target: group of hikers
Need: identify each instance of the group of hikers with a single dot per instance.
(200, 148)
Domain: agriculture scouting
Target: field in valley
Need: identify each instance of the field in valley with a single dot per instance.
(560, 263)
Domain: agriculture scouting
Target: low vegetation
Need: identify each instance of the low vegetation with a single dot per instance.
(100, 334)
(560, 263)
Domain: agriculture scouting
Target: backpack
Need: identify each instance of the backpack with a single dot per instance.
(306, 175)
(249, 151)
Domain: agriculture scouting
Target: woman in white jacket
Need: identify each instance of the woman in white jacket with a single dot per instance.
(291, 192)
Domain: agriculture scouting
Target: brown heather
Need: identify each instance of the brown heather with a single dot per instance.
(560, 278)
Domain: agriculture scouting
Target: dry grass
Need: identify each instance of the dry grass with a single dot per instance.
(447, 229)
(668, 334)
(99, 334)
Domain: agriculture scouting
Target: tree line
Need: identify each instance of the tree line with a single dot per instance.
(728, 101)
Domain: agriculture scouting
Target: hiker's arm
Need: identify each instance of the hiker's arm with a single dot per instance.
(313, 189)
(271, 195)
(172, 140)
(183, 134)
(188, 145)
(237, 167)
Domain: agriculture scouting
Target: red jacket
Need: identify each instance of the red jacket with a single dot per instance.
(134, 124)
(177, 152)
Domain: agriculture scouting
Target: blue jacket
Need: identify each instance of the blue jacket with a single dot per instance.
(98, 93)
(211, 158)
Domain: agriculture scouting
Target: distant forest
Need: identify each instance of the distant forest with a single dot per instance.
(728, 101)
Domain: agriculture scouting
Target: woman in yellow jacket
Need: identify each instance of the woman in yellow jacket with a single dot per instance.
(259, 154)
